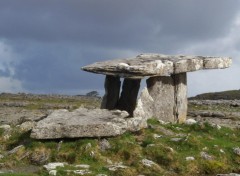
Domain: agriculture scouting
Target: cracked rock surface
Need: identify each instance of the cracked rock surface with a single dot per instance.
(84, 122)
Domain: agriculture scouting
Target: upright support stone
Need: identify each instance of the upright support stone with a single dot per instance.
(112, 88)
(180, 81)
(129, 95)
(161, 89)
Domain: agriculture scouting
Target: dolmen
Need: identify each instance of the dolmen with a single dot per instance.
(122, 109)
(165, 96)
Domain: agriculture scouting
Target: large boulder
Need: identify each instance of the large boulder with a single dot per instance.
(86, 123)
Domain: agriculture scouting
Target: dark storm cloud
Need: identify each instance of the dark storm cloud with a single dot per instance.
(54, 38)
(110, 23)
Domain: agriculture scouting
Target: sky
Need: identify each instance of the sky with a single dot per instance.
(43, 44)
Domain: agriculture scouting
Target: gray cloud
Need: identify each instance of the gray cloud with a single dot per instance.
(51, 40)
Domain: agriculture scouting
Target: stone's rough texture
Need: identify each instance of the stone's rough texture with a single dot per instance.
(148, 163)
(39, 157)
(236, 151)
(161, 89)
(27, 126)
(144, 106)
(127, 101)
(190, 122)
(104, 145)
(157, 65)
(188, 65)
(211, 63)
(117, 166)
(53, 166)
(112, 88)
(165, 98)
(231, 174)
(85, 123)
(5, 127)
(157, 100)
(206, 156)
(15, 150)
(136, 123)
(180, 94)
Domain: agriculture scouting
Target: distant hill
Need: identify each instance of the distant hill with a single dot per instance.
(225, 95)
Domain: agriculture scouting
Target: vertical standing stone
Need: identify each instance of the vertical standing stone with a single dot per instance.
(112, 88)
(180, 81)
(161, 89)
(129, 95)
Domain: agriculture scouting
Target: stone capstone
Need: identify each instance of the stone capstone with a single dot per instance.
(84, 122)
(157, 65)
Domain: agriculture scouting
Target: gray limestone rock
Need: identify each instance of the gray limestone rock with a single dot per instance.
(148, 163)
(127, 101)
(39, 157)
(27, 126)
(190, 158)
(236, 151)
(116, 166)
(104, 145)
(157, 65)
(161, 89)
(190, 122)
(144, 106)
(53, 166)
(162, 99)
(85, 123)
(231, 174)
(206, 156)
(112, 89)
(15, 150)
(180, 94)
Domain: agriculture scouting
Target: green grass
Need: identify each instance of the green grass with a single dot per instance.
(225, 95)
(222, 108)
(14, 174)
(131, 148)
(34, 102)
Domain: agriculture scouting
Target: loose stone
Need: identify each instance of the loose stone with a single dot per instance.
(148, 163)
(206, 156)
(236, 151)
(53, 166)
(190, 121)
(190, 158)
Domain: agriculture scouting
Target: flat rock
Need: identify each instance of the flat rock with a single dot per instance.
(148, 163)
(53, 166)
(190, 121)
(84, 122)
(157, 65)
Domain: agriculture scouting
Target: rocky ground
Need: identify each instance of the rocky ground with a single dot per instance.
(195, 148)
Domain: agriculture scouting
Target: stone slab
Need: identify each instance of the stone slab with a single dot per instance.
(112, 87)
(128, 99)
(86, 123)
(157, 100)
(180, 94)
(164, 98)
(157, 65)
